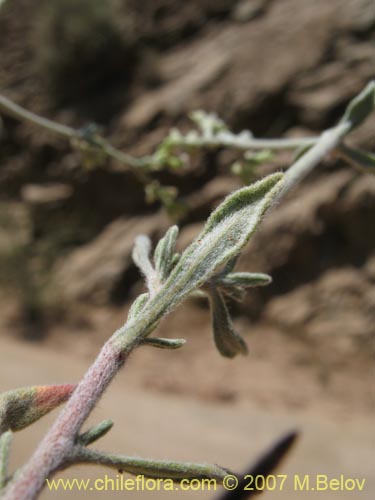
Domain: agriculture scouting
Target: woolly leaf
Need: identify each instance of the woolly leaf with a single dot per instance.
(95, 432)
(162, 343)
(246, 280)
(225, 234)
(141, 254)
(175, 471)
(234, 284)
(137, 306)
(22, 407)
(141, 258)
(164, 256)
(361, 106)
(227, 340)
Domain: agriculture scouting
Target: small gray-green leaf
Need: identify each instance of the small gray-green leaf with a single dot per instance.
(175, 471)
(137, 306)
(361, 106)
(164, 253)
(95, 432)
(300, 152)
(235, 284)
(246, 280)
(227, 340)
(162, 343)
(237, 293)
(226, 232)
(229, 266)
(5, 442)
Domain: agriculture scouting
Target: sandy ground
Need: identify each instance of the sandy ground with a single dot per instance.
(281, 372)
(160, 425)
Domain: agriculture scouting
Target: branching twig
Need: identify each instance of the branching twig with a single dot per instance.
(211, 133)
(243, 141)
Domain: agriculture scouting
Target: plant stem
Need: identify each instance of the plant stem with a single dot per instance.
(327, 142)
(15, 111)
(19, 113)
(220, 140)
(236, 142)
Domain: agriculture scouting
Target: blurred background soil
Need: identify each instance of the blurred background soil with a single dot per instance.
(276, 67)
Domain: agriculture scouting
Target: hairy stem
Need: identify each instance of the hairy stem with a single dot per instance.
(245, 143)
(328, 141)
(59, 440)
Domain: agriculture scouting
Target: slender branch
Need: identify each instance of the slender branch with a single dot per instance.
(357, 110)
(241, 142)
(328, 141)
(95, 432)
(244, 140)
(12, 109)
(94, 142)
(208, 138)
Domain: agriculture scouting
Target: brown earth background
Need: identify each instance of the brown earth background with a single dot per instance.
(275, 67)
